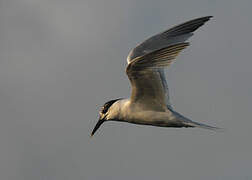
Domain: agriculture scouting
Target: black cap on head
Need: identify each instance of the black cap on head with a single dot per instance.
(104, 110)
(107, 105)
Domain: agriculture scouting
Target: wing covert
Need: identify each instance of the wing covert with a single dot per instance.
(175, 35)
(146, 81)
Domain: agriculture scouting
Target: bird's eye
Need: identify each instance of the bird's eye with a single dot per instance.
(103, 109)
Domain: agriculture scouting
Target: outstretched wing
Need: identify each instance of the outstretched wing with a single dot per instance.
(145, 78)
(175, 35)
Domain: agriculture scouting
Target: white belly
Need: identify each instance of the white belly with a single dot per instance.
(138, 115)
(152, 118)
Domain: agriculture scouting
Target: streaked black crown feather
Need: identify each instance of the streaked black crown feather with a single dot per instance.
(107, 105)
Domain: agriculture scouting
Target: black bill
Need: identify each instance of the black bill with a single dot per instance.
(98, 124)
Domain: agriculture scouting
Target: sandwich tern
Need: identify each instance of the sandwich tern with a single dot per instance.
(149, 103)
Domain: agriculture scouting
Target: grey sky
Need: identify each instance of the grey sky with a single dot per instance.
(61, 60)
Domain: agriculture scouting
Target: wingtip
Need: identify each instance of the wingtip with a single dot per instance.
(206, 17)
(202, 19)
(209, 17)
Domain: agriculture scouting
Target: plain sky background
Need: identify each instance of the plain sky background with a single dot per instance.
(61, 60)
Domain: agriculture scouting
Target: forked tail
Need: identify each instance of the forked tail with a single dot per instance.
(204, 126)
(189, 123)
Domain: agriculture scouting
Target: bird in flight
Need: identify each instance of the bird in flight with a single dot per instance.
(149, 103)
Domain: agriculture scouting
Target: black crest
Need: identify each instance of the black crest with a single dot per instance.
(107, 105)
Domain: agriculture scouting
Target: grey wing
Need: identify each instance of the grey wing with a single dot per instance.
(144, 75)
(165, 87)
(177, 34)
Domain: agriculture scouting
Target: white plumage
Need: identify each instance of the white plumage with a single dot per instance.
(149, 103)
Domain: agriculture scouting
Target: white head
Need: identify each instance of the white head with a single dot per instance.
(104, 114)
